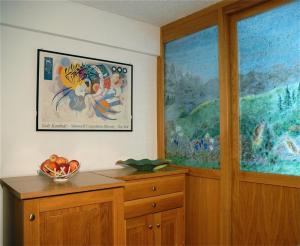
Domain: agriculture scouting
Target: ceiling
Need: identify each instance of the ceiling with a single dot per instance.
(155, 12)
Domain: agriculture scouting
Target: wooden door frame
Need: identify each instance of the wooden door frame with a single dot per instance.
(238, 175)
(263, 178)
(221, 14)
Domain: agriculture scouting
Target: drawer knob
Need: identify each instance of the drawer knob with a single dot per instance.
(154, 188)
(31, 217)
(153, 205)
(157, 225)
(150, 227)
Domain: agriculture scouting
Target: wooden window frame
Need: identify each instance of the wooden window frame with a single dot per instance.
(223, 14)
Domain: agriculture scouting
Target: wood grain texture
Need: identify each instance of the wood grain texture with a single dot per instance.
(225, 129)
(189, 25)
(31, 229)
(205, 173)
(152, 205)
(28, 187)
(87, 218)
(129, 173)
(138, 232)
(203, 211)
(73, 200)
(157, 228)
(241, 5)
(153, 187)
(272, 179)
(12, 219)
(267, 215)
(171, 227)
(160, 104)
(235, 149)
(245, 9)
(192, 23)
(52, 223)
(158, 219)
(84, 225)
(119, 233)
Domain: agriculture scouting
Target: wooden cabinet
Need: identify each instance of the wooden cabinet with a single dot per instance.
(61, 227)
(151, 187)
(154, 211)
(78, 219)
(154, 206)
(164, 228)
(139, 231)
(92, 209)
(92, 217)
(172, 227)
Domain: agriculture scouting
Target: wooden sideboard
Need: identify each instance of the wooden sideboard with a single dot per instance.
(87, 210)
(108, 207)
(154, 206)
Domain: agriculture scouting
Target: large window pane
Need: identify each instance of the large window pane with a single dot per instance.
(269, 82)
(192, 131)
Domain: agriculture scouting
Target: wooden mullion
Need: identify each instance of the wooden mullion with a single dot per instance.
(190, 26)
(256, 7)
(160, 109)
(241, 5)
(194, 22)
(270, 179)
(235, 153)
(225, 130)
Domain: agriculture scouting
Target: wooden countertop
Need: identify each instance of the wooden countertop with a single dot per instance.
(27, 187)
(129, 173)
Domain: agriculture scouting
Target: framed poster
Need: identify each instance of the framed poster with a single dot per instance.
(77, 93)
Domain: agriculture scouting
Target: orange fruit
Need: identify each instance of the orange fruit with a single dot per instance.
(73, 165)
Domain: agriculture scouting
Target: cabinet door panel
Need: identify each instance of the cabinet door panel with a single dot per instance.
(51, 228)
(138, 232)
(83, 225)
(172, 227)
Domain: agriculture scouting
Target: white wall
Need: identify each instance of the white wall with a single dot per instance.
(27, 26)
(82, 22)
(24, 148)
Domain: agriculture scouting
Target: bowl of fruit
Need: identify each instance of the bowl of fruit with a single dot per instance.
(59, 168)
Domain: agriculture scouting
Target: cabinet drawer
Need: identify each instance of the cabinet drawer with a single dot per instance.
(153, 187)
(153, 204)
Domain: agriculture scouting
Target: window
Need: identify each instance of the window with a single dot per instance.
(192, 121)
(269, 90)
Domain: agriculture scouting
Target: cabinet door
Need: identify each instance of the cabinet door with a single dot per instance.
(171, 227)
(87, 218)
(83, 225)
(139, 231)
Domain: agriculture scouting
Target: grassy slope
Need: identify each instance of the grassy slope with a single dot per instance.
(253, 109)
(204, 117)
(200, 118)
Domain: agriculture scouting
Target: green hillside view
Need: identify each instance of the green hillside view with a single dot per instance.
(269, 133)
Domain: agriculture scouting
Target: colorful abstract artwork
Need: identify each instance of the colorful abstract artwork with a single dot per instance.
(81, 93)
(269, 81)
(192, 123)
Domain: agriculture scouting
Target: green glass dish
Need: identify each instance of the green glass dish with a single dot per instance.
(145, 164)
